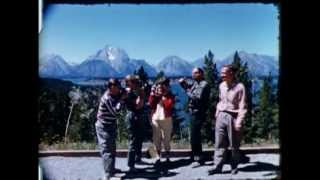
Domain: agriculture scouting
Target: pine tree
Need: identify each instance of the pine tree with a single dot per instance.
(211, 76)
(267, 113)
(242, 75)
(142, 74)
(159, 75)
(237, 64)
(52, 115)
(275, 117)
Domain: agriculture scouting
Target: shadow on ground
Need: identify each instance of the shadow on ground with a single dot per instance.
(208, 158)
(259, 166)
(149, 173)
(163, 169)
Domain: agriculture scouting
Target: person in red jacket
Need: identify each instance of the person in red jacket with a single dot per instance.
(161, 102)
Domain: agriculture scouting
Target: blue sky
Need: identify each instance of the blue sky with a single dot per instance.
(152, 32)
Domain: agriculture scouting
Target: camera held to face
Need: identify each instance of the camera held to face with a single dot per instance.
(183, 83)
(157, 90)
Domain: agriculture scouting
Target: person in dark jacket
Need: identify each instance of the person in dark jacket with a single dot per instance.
(198, 93)
(135, 103)
(106, 125)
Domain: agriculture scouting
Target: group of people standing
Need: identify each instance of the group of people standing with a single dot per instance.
(229, 115)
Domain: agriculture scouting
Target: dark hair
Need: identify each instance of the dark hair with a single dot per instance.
(231, 67)
(132, 78)
(200, 70)
(163, 80)
(113, 82)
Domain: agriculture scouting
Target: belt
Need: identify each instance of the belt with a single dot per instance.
(234, 114)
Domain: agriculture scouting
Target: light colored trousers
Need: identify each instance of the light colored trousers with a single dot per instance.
(226, 135)
(162, 133)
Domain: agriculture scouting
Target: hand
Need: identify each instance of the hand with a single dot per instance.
(237, 126)
(152, 93)
(118, 106)
(181, 80)
(139, 102)
(216, 114)
(221, 107)
(183, 83)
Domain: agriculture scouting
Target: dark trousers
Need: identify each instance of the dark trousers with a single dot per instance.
(197, 120)
(135, 136)
(106, 135)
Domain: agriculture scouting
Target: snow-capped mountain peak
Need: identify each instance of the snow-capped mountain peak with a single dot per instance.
(114, 54)
(109, 53)
(53, 65)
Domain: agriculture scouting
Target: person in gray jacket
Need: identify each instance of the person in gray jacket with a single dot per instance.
(106, 125)
(198, 93)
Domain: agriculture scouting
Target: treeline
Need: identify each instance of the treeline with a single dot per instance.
(67, 112)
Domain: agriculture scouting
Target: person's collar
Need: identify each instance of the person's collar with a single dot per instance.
(231, 84)
(198, 80)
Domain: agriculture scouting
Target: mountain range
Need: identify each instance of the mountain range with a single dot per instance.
(259, 65)
(115, 62)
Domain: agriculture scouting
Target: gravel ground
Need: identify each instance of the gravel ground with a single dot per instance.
(258, 166)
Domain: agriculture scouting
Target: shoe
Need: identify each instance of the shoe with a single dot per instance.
(115, 171)
(195, 164)
(234, 171)
(112, 173)
(163, 172)
(138, 159)
(167, 156)
(133, 170)
(107, 176)
(157, 163)
(215, 171)
(201, 161)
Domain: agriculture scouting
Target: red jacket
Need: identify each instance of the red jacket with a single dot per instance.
(168, 103)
